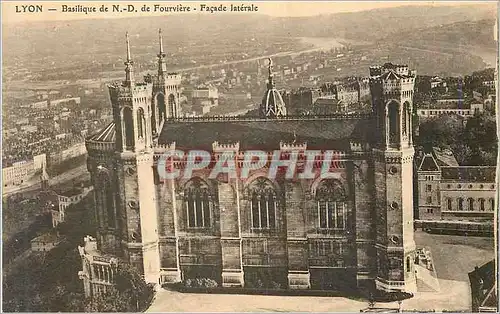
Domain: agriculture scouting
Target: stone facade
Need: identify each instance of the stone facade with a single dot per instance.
(458, 193)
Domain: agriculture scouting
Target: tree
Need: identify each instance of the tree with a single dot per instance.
(130, 293)
(481, 139)
(443, 131)
(130, 283)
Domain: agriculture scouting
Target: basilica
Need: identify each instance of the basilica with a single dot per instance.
(352, 230)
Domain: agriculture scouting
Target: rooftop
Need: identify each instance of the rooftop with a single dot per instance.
(482, 281)
(108, 134)
(469, 173)
(47, 237)
(444, 157)
(326, 132)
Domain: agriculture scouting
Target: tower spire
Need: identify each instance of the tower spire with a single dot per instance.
(161, 41)
(44, 177)
(270, 83)
(129, 65)
(129, 58)
(162, 67)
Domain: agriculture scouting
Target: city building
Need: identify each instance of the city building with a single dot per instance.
(98, 270)
(450, 106)
(437, 82)
(203, 99)
(22, 171)
(447, 191)
(64, 200)
(351, 91)
(45, 242)
(335, 232)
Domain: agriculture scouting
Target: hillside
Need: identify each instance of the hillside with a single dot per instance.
(364, 25)
(95, 46)
(464, 33)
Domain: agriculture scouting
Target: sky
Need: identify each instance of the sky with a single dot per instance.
(273, 8)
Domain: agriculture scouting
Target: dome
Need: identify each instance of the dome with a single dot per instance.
(273, 104)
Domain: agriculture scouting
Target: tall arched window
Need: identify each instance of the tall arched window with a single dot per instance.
(160, 103)
(140, 122)
(171, 105)
(449, 204)
(264, 205)
(331, 205)
(128, 127)
(460, 204)
(408, 264)
(198, 204)
(153, 116)
(471, 203)
(481, 204)
(405, 118)
(492, 204)
(393, 122)
(107, 197)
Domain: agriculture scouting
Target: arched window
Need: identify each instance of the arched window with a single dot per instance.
(460, 204)
(128, 127)
(107, 197)
(264, 205)
(198, 204)
(481, 204)
(405, 118)
(160, 103)
(393, 122)
(471, 203)
(492, 204)
(171, 106)
(331, 204)
(153, 117)
(449, 204)
(140, 122)
(408, 264)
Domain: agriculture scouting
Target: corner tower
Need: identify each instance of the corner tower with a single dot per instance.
(131, 175)
(392, 98)
(165, 103)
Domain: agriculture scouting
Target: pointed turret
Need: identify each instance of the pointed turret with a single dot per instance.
(129, 65)
(270, 83)
(162, 66)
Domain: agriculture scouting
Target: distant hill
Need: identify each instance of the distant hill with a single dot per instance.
(463, 33)
(379, 23)
(78, 43)
(363, 25)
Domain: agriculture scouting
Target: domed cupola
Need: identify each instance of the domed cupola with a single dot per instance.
(272, 103)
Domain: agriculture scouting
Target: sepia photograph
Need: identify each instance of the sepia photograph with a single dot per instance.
(251, 156)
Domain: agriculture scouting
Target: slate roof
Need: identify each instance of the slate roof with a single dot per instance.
(483, 286)
(445, 157)
(266, 134)
(391, 75)
(428, 164)
(469, 173)
(326, 132)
